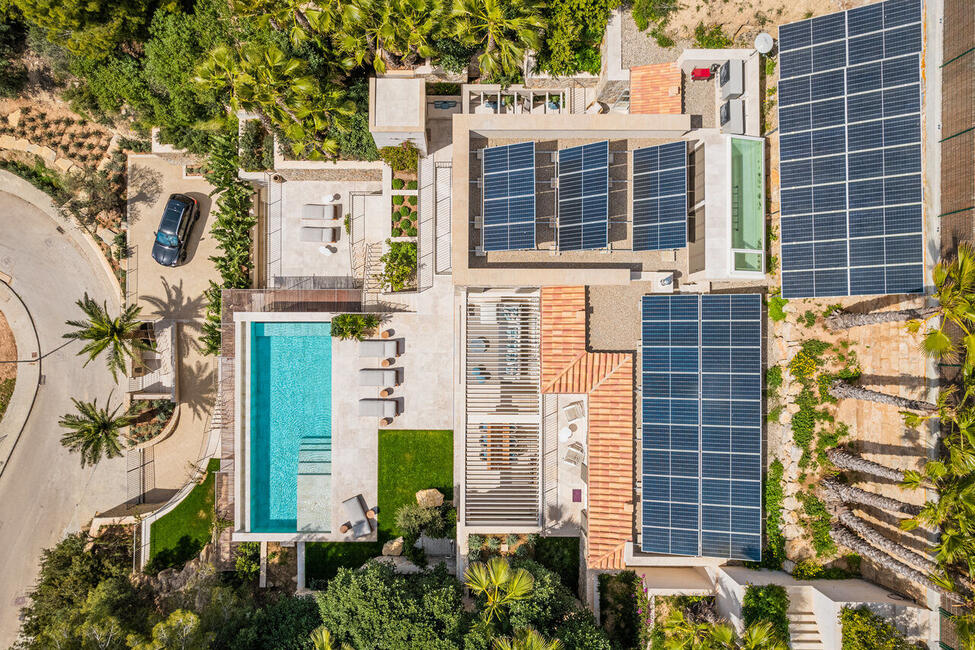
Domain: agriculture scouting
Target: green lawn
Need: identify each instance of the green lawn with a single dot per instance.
(409, 461)
(182, 533)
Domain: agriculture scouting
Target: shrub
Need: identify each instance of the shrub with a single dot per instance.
(411, 200)
(767, 604)
(411, 185)
(475, 542)
(864, 630)
(711, 37)
(818, 522)
(453, 56)
(618, 605)
(248, 561)
(40, 177)
(657, 12)
(354, 326)
(399, 265)
(776, 308)
(773, 378)
(411, 232)
(398, 199)
(256, 147)
(802, 365)
(398, 184)
(412, 518)
(774, 496)
(443, 88)
(396, 231)
(404, 158)
(493, 543)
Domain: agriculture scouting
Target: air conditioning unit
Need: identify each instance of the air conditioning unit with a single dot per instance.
(732, 117)
(731, 79)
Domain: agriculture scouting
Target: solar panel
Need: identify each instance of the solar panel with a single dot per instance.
(584, 197)
(509, 197)
(660, 197)
(702, 419)
(849, 115)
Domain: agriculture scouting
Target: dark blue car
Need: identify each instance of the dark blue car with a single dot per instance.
(177, 221)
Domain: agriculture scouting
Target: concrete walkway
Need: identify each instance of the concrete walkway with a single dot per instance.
(44, 492)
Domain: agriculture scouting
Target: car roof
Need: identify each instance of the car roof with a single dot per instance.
(175, 208)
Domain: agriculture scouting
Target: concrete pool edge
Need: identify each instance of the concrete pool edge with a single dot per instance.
(242, 423)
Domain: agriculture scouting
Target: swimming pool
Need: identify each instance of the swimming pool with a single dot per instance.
(290, 411)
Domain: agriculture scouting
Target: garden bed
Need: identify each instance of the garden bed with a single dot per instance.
(256, 147)
(150, 418)
(399, 267)
(625, 610)
(8, 371)
(84, 143)
(404, 216)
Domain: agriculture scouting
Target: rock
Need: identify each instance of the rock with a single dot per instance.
(788, 566)
(7, 141)
(791, 531)
(48, 154)
(393, 547)
(14, 118)
(63, 164)
(431, 498)
(790, 503)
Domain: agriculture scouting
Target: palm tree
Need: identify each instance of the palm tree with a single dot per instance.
(851, 494)
(527, 638)
(954, 282)
(321, 639)
(93, 432)
(119, 336)
(502, 29)
(300, 19)
(498, 584)
(887, 545)
(843, 390)
(261, 79)
(761, 636)
(845, 537)
(390, 32)
(845, 460)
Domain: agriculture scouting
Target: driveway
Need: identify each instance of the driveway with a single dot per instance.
(174, 294)
(44, 492)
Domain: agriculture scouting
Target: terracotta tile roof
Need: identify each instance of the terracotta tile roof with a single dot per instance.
(567, 367)
(655, 89)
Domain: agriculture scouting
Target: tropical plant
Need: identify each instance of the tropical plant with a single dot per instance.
(262, 79)
(498, 585)
(118, 336)
(527, 638)
(503, 29)
(851, 494)
(390, 32)
(767, 604)
(845, 537)
(865, 630)
(300, 20)
(321, 639)
(844, 390)
(404, 158)
(399, 265)
(354, 326)
(93, 432)
(845, 460)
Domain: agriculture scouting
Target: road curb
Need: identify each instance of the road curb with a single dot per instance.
(28, 374)
(22, 189)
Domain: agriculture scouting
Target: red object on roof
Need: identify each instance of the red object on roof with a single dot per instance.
(700, 74)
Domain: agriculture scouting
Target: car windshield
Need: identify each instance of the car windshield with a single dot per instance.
(166, 240)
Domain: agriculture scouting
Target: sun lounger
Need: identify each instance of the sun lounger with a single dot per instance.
(318, 211)
(378, 377)
(318, 235)
(357, 516)
(574, 412)
(378, 408)
(382, 349)
(574, 455)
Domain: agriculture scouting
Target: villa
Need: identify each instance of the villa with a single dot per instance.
(589, 309)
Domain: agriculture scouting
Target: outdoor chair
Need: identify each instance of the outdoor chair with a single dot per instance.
(378, 408)
(319, 235)
(378, 377)
(574, 412)
(381, 349)
(357, 516)
(574, 455)
(318, 211)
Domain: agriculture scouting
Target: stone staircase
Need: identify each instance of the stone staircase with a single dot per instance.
(372, 267)
(314, 484)
(803, 628)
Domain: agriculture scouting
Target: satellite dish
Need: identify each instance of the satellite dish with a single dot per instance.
(764, 43)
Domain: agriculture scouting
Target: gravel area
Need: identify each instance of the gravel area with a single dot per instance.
(614, 317)
(639, 48)
(8, 350)
(332, 174)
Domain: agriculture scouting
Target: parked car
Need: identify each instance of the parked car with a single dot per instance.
(174, 230)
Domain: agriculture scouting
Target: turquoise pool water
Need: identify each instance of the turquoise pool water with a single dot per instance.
(291, 399)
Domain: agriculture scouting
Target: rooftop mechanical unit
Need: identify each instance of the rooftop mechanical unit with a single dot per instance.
(731, 79)
(733, 117)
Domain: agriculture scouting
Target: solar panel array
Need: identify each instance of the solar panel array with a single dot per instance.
(850, 152)
(509, 197)
(584, 197)
(702, 425)
(660, 197)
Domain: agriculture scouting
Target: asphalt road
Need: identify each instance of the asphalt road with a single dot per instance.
(44, 492)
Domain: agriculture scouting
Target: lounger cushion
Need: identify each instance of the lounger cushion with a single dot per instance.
(377, 377)
(379, 408)
(318, 211)
(357, 517)
(318, 235)
(378, 348)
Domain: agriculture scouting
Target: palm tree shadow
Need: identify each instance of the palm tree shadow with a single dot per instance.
(879, 381)
(873, 304)
(197, 387)
(144, 186)
(175, 304)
